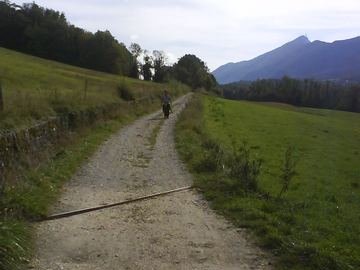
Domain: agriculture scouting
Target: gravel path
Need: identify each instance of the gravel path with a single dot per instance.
(177, 231)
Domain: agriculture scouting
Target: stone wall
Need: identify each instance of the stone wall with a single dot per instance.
(25, 147)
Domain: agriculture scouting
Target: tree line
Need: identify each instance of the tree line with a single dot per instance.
(190, 69)
(47, 33)
(306, 92)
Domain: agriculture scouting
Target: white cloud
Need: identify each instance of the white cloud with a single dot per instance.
(171, 58)
(134, 37)
(216, 31)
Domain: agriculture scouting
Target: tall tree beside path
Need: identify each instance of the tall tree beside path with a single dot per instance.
(160, 68)
(147, 67)
(136, 51)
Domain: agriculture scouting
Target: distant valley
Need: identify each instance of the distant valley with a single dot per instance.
(300, 58)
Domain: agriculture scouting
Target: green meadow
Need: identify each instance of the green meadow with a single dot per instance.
(35, 88)
(315, 223)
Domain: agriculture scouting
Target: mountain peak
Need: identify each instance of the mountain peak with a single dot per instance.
(299, 58)
(301, 40)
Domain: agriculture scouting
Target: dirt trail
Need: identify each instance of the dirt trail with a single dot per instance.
(178, 231)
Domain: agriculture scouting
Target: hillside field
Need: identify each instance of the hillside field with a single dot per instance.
(315, 224)
(34, 88)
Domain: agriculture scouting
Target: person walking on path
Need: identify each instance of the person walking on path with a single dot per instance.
(166, 104)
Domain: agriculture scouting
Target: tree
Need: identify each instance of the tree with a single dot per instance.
(147, 67)
(136, 51)
(160, 69)
(193, 71)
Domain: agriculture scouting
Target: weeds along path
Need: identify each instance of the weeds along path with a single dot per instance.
(178, 231)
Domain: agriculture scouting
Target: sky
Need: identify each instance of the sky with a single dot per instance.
(217, 31)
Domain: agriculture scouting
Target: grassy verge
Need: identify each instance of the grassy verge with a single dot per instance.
(236, 150)
(31, 197)
(154, 133)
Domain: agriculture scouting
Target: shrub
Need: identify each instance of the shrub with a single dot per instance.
(124, 92)
(215, 152)
(241, 166)
(288, 170)
(237, 168)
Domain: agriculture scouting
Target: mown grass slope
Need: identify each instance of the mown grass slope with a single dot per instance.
(34, 88)
(315, 224)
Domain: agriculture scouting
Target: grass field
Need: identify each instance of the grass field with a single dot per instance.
(315, 224)
(35, 88)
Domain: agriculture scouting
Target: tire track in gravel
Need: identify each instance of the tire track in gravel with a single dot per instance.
(173, 232)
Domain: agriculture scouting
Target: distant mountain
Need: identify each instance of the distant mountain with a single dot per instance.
(299, 58)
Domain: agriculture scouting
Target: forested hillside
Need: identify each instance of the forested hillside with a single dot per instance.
(48, 34)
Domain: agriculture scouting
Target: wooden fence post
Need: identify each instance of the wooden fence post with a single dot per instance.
(85, 88)
(1, 98)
